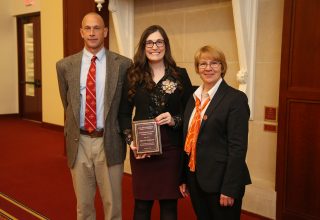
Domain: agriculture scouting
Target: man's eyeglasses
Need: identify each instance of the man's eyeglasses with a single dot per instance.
(150, 43)
(213, 64)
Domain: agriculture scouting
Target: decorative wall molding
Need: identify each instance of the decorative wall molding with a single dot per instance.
(245, 14)
(122, 12)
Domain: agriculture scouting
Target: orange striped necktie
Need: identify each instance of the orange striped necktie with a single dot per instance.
(192, 136)
(90, 122)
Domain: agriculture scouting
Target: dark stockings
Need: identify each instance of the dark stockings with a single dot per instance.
(168, 209)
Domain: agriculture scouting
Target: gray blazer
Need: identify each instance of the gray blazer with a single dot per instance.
(68, 71)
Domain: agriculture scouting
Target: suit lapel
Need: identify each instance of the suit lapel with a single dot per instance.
(215, 102)
(112, 74)
(75, 69)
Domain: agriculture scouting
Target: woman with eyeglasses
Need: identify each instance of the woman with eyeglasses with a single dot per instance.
(216, 136)
(158, 90)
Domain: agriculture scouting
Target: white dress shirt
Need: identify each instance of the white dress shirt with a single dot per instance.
(202, 97)
(100, 85)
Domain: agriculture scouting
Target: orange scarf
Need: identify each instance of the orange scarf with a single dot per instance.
(192, 136)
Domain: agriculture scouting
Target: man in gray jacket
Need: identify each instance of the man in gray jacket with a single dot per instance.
(90, 84)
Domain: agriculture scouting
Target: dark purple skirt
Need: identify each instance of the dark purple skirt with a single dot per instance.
(157, 177)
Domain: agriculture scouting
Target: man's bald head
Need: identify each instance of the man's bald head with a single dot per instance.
(93, 32)
(90, 15)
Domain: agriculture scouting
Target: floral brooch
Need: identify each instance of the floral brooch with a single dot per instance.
(169, 86)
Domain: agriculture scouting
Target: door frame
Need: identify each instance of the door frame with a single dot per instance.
(35, 115)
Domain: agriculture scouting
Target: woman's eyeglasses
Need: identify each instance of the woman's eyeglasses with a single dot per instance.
(213, 64)
(150, 43)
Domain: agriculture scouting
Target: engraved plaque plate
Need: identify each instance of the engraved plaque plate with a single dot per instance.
(146, 136)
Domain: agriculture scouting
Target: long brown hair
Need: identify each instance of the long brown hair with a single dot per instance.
(140, 71)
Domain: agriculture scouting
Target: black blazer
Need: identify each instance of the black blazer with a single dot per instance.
(222, 143)
(173, 103)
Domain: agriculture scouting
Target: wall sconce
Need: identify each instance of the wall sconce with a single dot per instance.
(99, 4)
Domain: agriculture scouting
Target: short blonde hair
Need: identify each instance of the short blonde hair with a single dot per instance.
(212, 53)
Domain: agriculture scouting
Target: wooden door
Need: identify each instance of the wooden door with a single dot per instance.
(298, 155)
(29, 58)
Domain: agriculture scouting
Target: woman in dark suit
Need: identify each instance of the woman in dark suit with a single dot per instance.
(216, 137)
(158, 90)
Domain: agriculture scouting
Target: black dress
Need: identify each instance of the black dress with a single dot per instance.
(157, 177)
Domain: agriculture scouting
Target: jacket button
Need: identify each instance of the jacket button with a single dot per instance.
(76, 139)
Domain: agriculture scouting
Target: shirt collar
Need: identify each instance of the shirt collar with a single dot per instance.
(99, 55)
(211, 92)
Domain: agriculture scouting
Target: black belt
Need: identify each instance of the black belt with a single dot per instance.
(93, 134)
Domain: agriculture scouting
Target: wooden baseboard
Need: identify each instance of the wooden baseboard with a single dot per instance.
(10, 116)
(52, 126)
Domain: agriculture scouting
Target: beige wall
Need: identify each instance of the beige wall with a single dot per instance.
(8, 61)
(189, 24)
(52, 50)
(263, 145)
